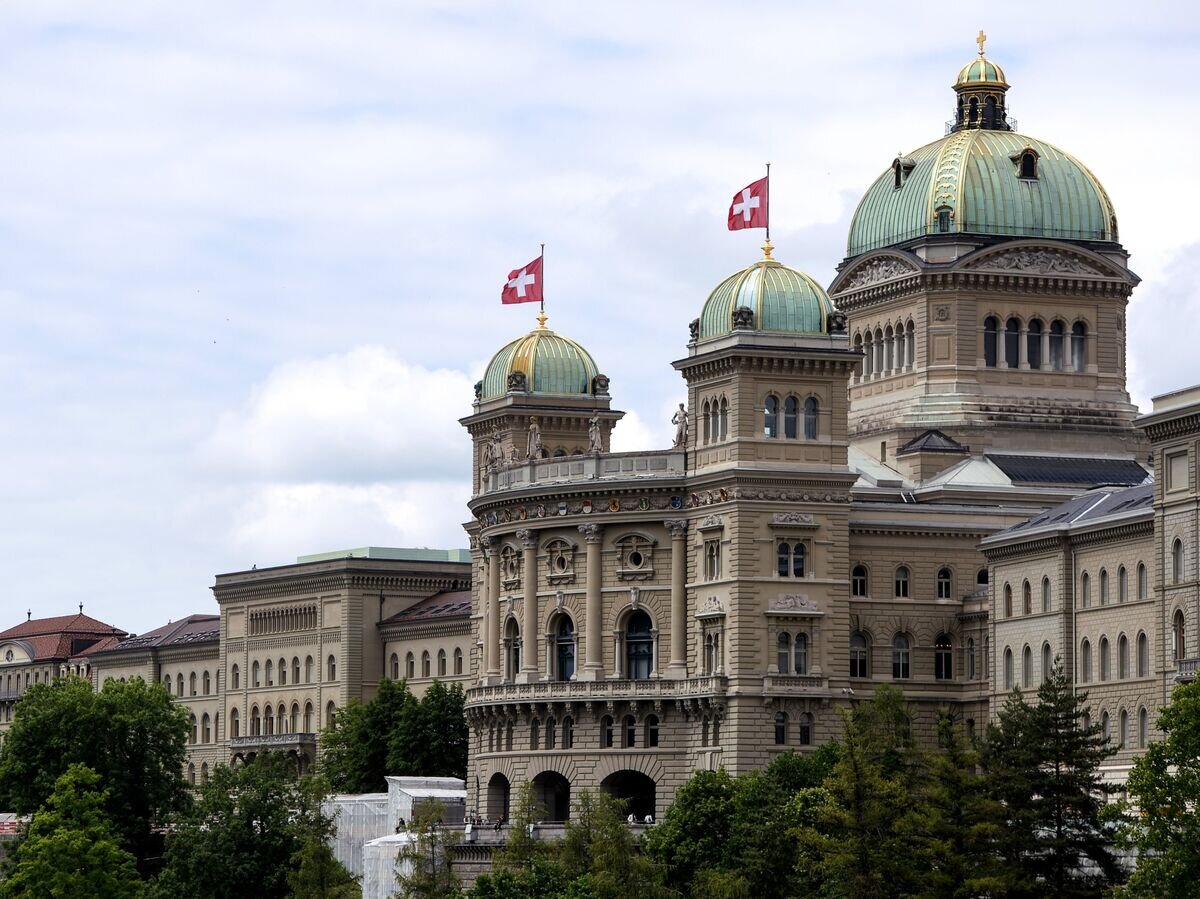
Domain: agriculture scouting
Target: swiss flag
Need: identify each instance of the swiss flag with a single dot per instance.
(524, 285)
(749, 207)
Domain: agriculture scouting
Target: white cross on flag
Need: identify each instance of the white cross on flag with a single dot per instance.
(749, 208)
(524, 284)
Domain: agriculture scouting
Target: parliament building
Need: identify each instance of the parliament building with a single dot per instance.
(928, 473)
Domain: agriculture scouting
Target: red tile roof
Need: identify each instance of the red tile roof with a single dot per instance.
(62, 636)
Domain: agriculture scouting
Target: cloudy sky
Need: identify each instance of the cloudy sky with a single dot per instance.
(250, 254)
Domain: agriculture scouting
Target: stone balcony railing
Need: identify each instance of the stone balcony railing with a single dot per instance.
(596, 467)
(1185, 670)
(795, 685)
(274, 741)
(582, 691)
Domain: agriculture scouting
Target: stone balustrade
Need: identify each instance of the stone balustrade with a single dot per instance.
(595, 467)
(625, 690)
(1185, 670)
(795, 685)
(273, 741)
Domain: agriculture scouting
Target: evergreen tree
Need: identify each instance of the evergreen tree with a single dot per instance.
(1044, 767)
(355, 746)
(430, 737)
(599, 853)
(423, 868)
(694, 833)
(317, 874)
(1164, 792)
(72, 848)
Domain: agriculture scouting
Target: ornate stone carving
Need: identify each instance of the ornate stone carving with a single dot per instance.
(794, 518)
(600, 385)
(680, 420)
(559, 599)
(533, 443)
(712, 606)
(678, 528)
(517, 382)
(794, 602)
(693, 330)
(712, 523)
(635, 598)
(592, 533)
(837, 323)
(1038, 262)
(527, 537)
(941, 313)
(878, 270)
(743, 319)
(478, 391)
(595, 436)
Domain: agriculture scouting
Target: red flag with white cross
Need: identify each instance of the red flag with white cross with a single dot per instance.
(524, 284)
(749, 207)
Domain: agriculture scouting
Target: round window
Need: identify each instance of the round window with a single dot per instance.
(560, 563)
(635, 559)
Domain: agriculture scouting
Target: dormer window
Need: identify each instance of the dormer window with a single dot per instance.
(1028, 166)
(943, 219)
(902, 167)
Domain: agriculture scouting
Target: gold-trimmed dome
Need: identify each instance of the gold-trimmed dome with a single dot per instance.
(544, 362)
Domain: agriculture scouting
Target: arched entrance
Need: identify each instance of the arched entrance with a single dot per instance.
(553, 793)
(635, 789)
(497, 797)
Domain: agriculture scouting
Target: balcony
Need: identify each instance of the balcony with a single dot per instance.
(274, 742)
(1185, 670)
(597, 467)
(583, 691)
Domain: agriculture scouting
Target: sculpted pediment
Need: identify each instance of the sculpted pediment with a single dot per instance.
(1033, 260)
(875, 271)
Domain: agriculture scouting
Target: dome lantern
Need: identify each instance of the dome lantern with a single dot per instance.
(981, 86)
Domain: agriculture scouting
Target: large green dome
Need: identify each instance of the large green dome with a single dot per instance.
(782, 300)
(550, 363)
(970, 182)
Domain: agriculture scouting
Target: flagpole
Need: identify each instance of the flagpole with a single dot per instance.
(542, 302)
(767, 198)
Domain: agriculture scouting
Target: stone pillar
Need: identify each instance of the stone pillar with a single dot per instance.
(529, 617)
(677, 665)
(814, 649)
(593, 665)
(1046, 366)
(494, 635)
(1023, 348)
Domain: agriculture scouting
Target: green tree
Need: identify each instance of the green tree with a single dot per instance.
(245, 833)
(694, 833)
(72, 849)
(430, 739)
(316, 874)
(423, 866)
(1164, 794)
(599, 852)
(356, 744)
(135, 741)
(1043, 765)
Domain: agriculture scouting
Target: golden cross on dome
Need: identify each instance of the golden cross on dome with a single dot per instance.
(980, 41)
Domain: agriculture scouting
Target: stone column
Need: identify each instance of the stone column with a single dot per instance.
(593, 665)
(1023, 348)
(494, 635)
(529, 618)
(1046, 366)
(677, 665)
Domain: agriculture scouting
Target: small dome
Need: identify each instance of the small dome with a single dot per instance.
(980, 71)
(550, 363)
(782, 300)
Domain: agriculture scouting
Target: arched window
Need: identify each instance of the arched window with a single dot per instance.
(235, 723)
(902, 582)
(790, 559)
(970, 658)
(425, 664)
(943, 658)
(394, 666)
(441, 663)
(629, 732)
(943, 212)
(1033, 344)
(1047, 662)
(564, 643)
(1105, 730)
(705, 423)
(295, 723)
(859, 656)
(283, 719)
(308, 718)
(981, 577)
(204, 773)
(945, 585)
(331, 668)
(889, 342)
(1143, 728)
(1122, 657)
(858, 581)
(651, 731)
(269, 672)
(1008, 669)
(810, 419)
(535, 733)
(724, 418)
(1105, 662)
(805, 728)
(1143, 655)
(911, 337)
(1026, 667)
(508, 737)
(308, 669)
(1079, 356)
(991, 341)
(191, 775)
(1122, 729)
(1103, 586)
(458, 660)
(606, 732)
(1177, 561)
(1026, 599)
(1028, 165)
(1143, 586)
(410, 665)
(255, 722)
(868, 355)
(780, 729)
(1012, 343)
(551, 733)
(568, 733)
(235, 677)
(192, 684)
(330, 713)
(783, 653)
(206, 683)
(901, 657)
(791, 417)
(206, 729)
(268, 721)
(283, 672)
(801, 653)
(1085, 590)
(639, 646)
(771, 417)
(1057, 335)
(179, 682)
(1085, 662)
(1008, 608)
(1122, 584)
(1046, 594)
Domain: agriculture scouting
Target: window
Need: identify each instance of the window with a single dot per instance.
(981, 577)
(791, 417)
(784, 653)
(1026, 667)
(901, 658)
(1177, 470)
(1008, 669)
(1122, 584)
(191, 775)
(255, 722)
(308, 718)
(235, 723)
(1142, 582)
(1008, 601)
(568, 733)
(205, 729)
(1143, 655)
(1057, 333)
(179, 680)
(1105, 731)
(943, 658)
(771, 416)
(1047, 662)
(394, 666)
(639, 646)
(1026, 598)
(606, 732)
(712, 559)
(331, 668)
(1122, 729)
(410, 666)
(551, 732)
(629, 732)
(207, 684)
(1143, 728)
(283, 672)
(1012, 343)
(1085, 662)
(441, 663)
(564, 643)
(308, 669)
(902, 582)
(705, 425)
(535, 733)
(1033, 344)
(1028, 165)
(780, 729)
(944, 584)
(425, 666)
(805, 728)
(235, 677)
(269, 673)
(651, 731)
(991, 347)
(330, 712)
(859, 657)
(1177, 561)
(1079, 359)
(1122, 657)
(1046, 594)
(810, 419)
(790, 559)
(560, 561)
(1085, 590)
(1103, 587)
(858, 581)
(724, 418)
(970, 658)
(508, 737)
(802, 653)
(458, 661)
(943, 214)
(1105, 665)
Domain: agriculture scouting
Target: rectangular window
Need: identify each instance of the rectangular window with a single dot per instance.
(1177, 471)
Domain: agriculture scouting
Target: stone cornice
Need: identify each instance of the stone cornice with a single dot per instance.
(1170, 427)
(458, 626)
(308, 586)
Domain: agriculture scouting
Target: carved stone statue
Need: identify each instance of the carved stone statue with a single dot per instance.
(533, 443)
(478, 391)
(497, 454)
(595, 437)
(517, 382)
(513, 458)
(743, 319)
(694, 330)
(837, 323)
(600, 385)
(680, 420)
